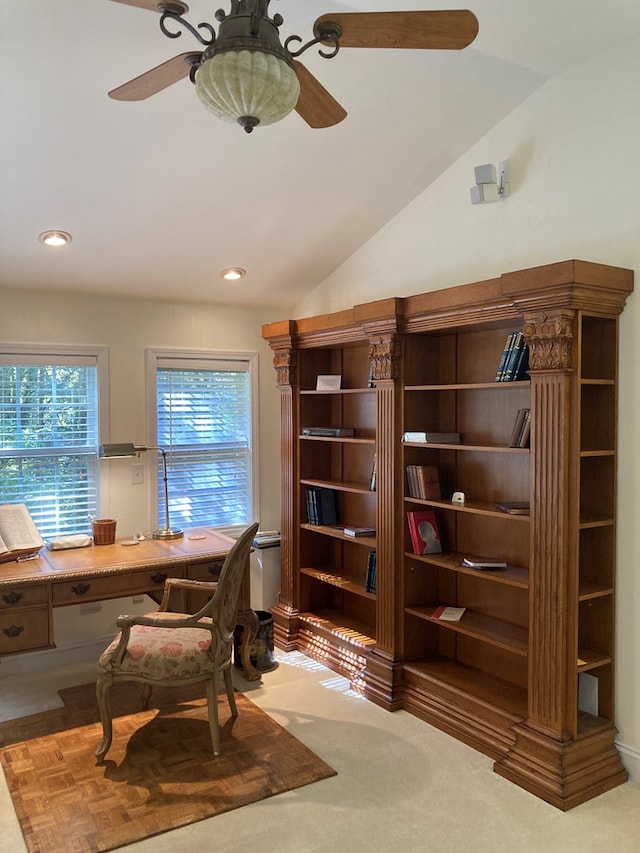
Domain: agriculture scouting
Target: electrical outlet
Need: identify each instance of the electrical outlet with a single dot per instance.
(137, 474)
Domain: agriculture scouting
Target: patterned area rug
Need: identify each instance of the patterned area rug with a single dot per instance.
(159, 774)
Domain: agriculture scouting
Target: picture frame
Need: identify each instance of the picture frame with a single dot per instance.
(328, 382)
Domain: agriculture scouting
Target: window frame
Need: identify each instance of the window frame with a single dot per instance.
(49, 354)
(203, 360)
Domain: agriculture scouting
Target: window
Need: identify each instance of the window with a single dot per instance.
(49, 411)
(205, 417)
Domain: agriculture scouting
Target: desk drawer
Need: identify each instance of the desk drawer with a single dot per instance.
(205, 571)
(23, 630)
(23, 596)
(113, 586)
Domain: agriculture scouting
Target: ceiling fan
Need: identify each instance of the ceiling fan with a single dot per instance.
(246, 74)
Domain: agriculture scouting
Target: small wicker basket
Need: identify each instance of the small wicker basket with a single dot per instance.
(104, 531)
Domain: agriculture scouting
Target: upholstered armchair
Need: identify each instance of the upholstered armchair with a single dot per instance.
(173, 649)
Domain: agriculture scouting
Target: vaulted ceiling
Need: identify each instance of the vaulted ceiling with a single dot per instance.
(159, 195)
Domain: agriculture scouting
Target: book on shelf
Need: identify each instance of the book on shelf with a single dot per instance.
(521, 428)
(508, 344)
(356, 532)
(19, 536)
(514, 507)
(448, 614)
(373, 480)
(322, 506)
(525, 434)
(432, 437)
(514, 361)
(423, 529)
(370, 583)
(481, 563)
(423, 482)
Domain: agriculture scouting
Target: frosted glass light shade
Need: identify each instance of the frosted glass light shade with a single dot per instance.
(247, 83)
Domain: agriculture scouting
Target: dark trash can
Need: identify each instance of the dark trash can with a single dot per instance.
(261, 651)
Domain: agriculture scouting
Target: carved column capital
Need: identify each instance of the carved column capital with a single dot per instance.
(285, 363)
(384, 354)
(549, 338)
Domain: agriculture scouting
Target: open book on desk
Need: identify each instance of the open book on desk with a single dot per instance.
(19, 535)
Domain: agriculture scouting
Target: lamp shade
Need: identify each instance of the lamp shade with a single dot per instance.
(248, 86)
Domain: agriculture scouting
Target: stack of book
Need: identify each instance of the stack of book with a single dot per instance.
(514, 361)
(370, 583)
(521, 429)
(423, 482)
(322, 506)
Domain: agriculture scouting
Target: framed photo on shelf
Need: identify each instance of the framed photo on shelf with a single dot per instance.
(329, 382)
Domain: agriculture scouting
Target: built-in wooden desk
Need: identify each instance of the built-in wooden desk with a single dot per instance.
(29, 590)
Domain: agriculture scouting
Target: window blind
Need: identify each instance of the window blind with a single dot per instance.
(204, 423)
(48, 440)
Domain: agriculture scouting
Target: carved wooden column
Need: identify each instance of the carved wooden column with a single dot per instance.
(384, 671)
(552, 590)
(547, 757)
(285, 361)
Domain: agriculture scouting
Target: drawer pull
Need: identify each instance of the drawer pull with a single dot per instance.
(13, 631)
(215, 569)
(13, 597)
(159, 577)
(81, 588)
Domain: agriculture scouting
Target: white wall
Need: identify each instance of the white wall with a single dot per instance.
(126, 327)
(575, 194)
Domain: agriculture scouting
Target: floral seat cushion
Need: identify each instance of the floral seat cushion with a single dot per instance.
(165, 654)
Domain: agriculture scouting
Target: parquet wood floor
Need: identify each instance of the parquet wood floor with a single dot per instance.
(159, 774)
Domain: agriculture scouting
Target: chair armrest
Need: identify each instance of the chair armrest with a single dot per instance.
(183, 583)
(162, 620)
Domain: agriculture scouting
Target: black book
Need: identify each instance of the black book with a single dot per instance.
(508, 373)
(506, 352)
(322, 506)
(370, 580)
(522, 364)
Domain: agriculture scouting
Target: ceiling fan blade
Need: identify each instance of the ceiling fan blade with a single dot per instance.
(315, 105)
(152, 5)
(156, 79)
(450, 30)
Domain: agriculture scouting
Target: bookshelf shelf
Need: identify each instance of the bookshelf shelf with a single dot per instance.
(337, 533)
(475, 386)
(335, 580)
(349, 630)
(473, 507)
(338, 440)
(487, 630)
(503, 679)
(497, 692)
(357, 488)
(486, 448)
(511, 576)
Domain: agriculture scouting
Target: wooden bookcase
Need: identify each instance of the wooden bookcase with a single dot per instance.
(527, 674)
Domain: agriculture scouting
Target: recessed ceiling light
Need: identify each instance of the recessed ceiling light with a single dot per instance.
(233, 273)
(54, 238)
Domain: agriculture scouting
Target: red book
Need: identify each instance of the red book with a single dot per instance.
(425, 536)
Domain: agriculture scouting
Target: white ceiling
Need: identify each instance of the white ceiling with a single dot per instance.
(159, 195)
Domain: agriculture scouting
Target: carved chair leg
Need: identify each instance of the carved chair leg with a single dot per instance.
(213, 686)
(103, 688)
(228, 683)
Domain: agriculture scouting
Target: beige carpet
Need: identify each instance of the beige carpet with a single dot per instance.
(159, 774)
